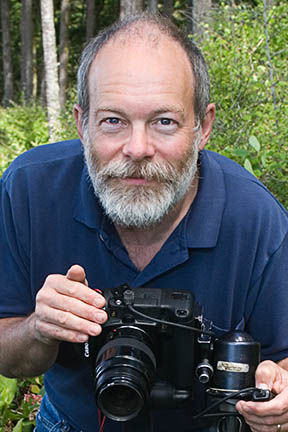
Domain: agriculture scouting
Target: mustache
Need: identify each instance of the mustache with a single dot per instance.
(164, 172)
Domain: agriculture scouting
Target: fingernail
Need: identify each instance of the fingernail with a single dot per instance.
(82, 338)
(94, 330)
(100, 317)
(98, 302)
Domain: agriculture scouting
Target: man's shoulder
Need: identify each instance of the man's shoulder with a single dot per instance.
(246, 201)
(60, 152)
(240, 184)
(230, 167)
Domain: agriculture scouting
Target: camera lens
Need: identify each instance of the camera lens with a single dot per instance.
(124, 374)
(118, 397)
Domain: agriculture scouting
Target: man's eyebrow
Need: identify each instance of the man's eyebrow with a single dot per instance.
(108, 109)
(159, 111)
(171, 109)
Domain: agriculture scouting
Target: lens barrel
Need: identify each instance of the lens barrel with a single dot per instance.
(124, 375)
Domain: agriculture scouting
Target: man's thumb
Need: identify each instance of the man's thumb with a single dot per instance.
(265, 375)
(77, 273)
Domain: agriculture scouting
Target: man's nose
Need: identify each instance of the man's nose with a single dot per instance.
(138, 145)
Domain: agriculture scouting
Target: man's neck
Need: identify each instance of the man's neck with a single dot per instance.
(143, 244)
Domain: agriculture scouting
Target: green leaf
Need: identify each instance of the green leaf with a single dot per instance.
(18, 427)
(35, 389)
(253, 141)
(8, 388)
(248, 166)
(240, 152)
(263, 160)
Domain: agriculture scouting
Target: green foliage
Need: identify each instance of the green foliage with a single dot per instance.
(250, 128)
(23, 127)
(19, 403)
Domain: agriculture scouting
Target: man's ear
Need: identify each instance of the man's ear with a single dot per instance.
(77, 111)
(207, 125)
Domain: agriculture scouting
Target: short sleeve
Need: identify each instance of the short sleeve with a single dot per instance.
(15, 293)
(268, 319)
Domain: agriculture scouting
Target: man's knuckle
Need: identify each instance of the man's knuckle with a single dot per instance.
(63, 318)
(50, 279)
(269, 421)
(40, 296)
(71, 290)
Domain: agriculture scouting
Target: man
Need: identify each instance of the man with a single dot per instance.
(161, 212)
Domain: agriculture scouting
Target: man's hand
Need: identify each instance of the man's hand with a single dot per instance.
(271, 416)
(67, 309)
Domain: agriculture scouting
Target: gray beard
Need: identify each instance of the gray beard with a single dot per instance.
(141, 206)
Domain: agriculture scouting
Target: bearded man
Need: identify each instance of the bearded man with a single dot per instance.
(138, 200)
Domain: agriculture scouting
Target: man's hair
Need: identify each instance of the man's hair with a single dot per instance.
(165, 27)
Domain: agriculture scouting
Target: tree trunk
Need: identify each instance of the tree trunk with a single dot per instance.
(6, 53)
(189, 22)
(130, 7)
(269, 3)
(168, 7)
(92, 14)
(50, 64)
(90, 19)
(26, 50)
(201, 14)
(153, 6)
(64, 50)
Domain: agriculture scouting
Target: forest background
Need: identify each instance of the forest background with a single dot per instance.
(245, 43)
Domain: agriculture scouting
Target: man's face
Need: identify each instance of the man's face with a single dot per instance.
(140, 142)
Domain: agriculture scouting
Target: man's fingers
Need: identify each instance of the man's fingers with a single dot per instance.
(70, 288)
(67, 309)
(71, 306)
(64, 325)
(264, 416)
(54, 332)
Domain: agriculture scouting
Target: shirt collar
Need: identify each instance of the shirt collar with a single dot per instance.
(87, 208)
(203, 221)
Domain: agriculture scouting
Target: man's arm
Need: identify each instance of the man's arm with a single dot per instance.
(66, 310)
(21, 354)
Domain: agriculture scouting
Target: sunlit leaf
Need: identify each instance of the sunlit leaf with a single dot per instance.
(19, 426)
(248, 166)
(253, 141)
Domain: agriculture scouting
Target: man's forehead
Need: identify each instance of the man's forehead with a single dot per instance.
(137, 48)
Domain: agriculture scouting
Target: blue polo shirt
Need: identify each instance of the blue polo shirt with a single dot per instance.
(231, 250)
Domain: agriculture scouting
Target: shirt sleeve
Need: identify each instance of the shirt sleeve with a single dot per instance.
(15, 293)
(268, 320)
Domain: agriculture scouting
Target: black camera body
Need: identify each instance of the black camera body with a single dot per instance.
(138, 358)
(153, 347)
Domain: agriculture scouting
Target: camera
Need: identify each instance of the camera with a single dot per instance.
(153, 347)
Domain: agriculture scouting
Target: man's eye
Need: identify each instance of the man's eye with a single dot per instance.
(166, 125)
(112, 120)
(111, 124)
(166, 121)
